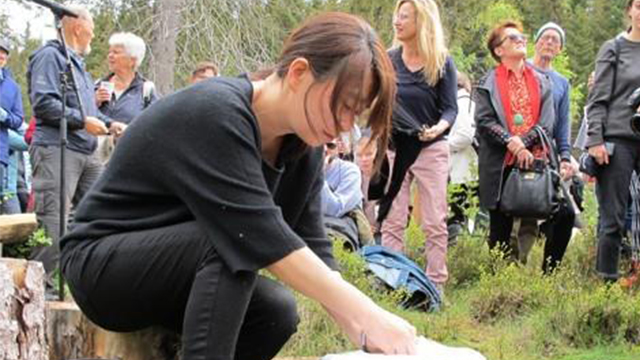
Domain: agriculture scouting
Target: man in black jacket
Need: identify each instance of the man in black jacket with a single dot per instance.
(82, 166)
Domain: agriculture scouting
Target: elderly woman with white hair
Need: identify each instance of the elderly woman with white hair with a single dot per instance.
(124, 93)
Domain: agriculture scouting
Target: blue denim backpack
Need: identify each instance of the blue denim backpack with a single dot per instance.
(398, 272)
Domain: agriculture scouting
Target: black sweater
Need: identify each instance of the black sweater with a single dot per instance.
(196, 155)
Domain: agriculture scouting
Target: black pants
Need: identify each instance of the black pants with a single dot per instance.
(172, 277)
(612, 191)
(557, 232)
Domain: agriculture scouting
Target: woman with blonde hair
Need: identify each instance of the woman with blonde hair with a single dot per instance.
(426, 108)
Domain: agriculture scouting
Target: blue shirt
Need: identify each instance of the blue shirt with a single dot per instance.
(561, 90)
(11, 103)
(342, 188)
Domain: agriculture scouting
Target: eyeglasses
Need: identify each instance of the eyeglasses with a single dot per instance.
(514, 38)
(550, 38)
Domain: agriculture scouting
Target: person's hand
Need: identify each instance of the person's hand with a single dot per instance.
(567, 170)
(117, 128)
(102, 95)
(3, 114)
(588, 179)
(515, 145)
(382, 332)
(524, 158)
(95, 126)
(389, 334)
(430, 133)
(599, 152)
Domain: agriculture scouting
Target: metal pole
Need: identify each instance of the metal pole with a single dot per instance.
(67, 78)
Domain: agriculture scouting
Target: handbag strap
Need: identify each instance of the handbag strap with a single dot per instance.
(548, 147)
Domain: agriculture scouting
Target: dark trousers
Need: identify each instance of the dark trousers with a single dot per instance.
(557, 231)
(173, 277)
(613, 198)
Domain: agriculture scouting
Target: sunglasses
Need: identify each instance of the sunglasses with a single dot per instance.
(514, 38)
(331, 146)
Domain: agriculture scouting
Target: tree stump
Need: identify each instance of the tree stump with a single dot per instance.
(22, 315)
(73, 336)
(16, 228)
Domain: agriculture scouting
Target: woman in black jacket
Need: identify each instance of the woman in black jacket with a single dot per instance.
(511, 100)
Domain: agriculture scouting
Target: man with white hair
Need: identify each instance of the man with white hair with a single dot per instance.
(82, 167)
(549, 42)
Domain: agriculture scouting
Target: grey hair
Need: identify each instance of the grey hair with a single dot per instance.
(82, 12)
(132, 44)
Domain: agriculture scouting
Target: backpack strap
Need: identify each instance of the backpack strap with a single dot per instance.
(616, 53)
(148, 89)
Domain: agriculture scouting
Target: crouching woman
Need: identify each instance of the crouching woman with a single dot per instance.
(222, 179)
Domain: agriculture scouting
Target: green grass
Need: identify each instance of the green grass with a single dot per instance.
(504, 310)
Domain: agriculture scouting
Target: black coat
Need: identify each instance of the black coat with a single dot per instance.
(492, 151)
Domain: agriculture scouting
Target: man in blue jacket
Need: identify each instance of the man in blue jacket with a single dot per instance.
(549, 42)
(82, 165)
(11, 113)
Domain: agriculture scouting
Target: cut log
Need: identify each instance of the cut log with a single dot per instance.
(17, 228)
(22, 315)
(72, 336)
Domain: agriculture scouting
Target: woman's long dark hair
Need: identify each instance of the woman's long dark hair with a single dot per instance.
(344, 47)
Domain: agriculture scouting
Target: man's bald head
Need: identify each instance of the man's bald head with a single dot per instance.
(78, 31)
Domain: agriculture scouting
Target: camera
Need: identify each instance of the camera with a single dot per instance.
(634, 103)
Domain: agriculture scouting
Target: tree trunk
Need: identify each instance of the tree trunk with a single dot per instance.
(22, 316)
(72, 336)
(163, 44)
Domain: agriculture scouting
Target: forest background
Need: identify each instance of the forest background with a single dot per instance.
(246, 35)
(567, 316)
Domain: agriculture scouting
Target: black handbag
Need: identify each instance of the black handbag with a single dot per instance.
(533, 193)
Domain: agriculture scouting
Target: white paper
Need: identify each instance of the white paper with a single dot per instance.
(426, 350)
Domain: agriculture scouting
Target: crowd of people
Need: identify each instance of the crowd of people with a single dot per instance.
(177, 201)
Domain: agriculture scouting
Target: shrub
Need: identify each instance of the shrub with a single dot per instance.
(590, 318)
(22, 250)
(508, 293)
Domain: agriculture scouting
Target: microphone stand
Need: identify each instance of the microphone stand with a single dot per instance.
(67, 80)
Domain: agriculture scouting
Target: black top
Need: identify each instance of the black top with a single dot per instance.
(421, 102)
(209, 169)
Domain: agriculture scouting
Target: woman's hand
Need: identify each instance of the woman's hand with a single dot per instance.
(389, 334)
(382, 332)
(102, 95)
(524, 158)
(515, 145)
(353, 311)
(599, 152)
(430, 133)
